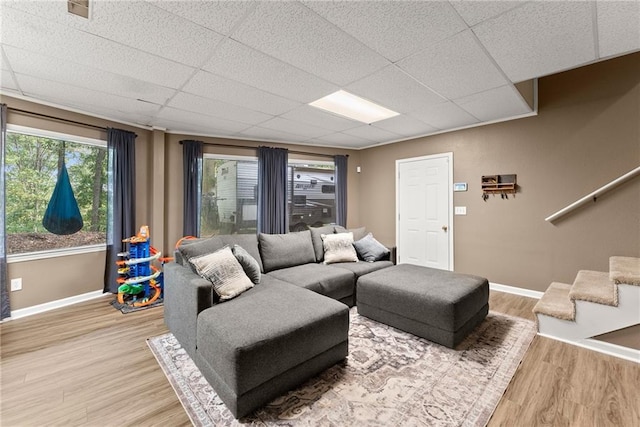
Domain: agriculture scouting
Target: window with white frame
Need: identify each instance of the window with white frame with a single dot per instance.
(230, 195)
(32, 163)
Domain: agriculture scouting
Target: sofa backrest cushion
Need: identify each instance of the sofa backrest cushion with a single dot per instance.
(358, 233)
(286, 250)
(316, 239)
(196, 247)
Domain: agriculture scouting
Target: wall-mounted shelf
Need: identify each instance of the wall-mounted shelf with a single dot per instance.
(499, 184)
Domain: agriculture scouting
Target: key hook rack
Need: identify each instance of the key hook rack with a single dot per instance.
(499, 184)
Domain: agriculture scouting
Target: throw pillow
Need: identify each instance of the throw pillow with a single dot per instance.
(339, 248)
(224, 271)
(369, 249)
(248, 263)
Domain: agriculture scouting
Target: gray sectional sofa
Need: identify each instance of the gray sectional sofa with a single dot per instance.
(274, 336)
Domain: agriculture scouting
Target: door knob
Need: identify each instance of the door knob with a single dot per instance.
(445, 228)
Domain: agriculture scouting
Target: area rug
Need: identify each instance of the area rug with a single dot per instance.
(126, 308)
(390, 378)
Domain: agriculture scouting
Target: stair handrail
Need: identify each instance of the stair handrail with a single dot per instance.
(594, 194)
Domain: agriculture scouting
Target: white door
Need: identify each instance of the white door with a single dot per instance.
(423, 207)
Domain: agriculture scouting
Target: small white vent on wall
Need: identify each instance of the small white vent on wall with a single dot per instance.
(78, 7)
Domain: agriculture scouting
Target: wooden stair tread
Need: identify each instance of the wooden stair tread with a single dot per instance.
(556, 302)
(594, 286)
(624, 270)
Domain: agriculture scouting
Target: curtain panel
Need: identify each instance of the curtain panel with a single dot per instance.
(5, 306)
(272, 190)
(121, 211)
(341, 189)
(192, 173)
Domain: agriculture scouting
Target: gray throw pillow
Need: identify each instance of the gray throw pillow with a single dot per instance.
(286, 250)
(369, 249)
(224, 271)
(339, 248)
(248, 263)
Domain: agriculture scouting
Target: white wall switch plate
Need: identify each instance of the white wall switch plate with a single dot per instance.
(461, 210)
(16, 284)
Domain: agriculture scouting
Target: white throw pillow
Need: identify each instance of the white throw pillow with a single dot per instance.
(339, 248)
(224, 271)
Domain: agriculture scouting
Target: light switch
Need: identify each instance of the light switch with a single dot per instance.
(461, 210)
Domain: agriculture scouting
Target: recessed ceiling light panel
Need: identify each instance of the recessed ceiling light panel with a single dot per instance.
(353, 107)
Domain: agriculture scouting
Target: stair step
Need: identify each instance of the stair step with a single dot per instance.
(623, 269)
(594, 286)
(556, 302)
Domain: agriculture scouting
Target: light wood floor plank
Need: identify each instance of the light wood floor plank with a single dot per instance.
(88, 364)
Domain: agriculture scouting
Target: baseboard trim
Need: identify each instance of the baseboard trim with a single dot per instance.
(41, 308)
(514, 290)
(607, 348)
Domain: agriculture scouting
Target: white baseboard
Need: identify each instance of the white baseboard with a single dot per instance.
(517, 291)
(41, 308)
(607, 348)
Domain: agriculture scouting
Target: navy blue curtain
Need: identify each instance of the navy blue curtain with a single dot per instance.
(272, 190)
(5, 306)
(192, 170)
(341, 189)
(121, 210)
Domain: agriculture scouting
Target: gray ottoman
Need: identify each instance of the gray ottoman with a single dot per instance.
(438, 305)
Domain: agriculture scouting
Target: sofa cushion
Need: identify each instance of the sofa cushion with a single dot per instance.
(224, 271)
(339, 248)
(332, 282)
(358, 233)
(362, 268)
(369, 249)
(267, 331)
(316, 239)
(249, 264)
(286, 250)
(196, 247)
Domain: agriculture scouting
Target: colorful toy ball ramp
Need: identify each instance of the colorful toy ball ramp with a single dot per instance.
(141, 283)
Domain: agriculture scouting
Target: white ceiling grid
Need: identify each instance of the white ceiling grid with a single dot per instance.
(247, 69)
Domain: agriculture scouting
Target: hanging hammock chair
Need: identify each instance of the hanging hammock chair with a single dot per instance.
(63, 215)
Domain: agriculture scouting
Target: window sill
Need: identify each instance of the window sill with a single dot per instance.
(55, 253)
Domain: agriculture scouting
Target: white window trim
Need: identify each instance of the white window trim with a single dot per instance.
(211, 156)
(54, 253)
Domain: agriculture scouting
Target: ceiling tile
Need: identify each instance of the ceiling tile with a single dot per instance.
(226, 90)
(137, 24)
(618, 27)
(474, 12)
(296, 128)
(264, 134)
(540, 38)
(393, 29)
(494, 104)
(444, 116)
(394, 89)
(342, 139)
(241, 63)
(372, 133)
(214, 124)
(219, 16)
(52, 39)
(405, 126)
(74, 96)
(29, 63)
(318, 47)
(317, 117)
(454, 67)
(212, 107)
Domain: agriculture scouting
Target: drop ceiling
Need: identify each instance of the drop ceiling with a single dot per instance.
(248, 69)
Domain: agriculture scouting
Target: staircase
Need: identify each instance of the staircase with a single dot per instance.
(596, 302)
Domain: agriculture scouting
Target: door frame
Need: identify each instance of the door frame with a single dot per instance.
(449, 157)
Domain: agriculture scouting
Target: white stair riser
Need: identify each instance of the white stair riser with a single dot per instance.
(594, 319)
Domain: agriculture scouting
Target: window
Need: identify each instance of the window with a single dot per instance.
(230, 195)
(31, 166)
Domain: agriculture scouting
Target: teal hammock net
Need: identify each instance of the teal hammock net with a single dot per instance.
(63, 215)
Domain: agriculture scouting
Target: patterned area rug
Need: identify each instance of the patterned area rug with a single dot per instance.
(391, 378)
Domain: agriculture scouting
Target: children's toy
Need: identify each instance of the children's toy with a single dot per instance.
(141, 283)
